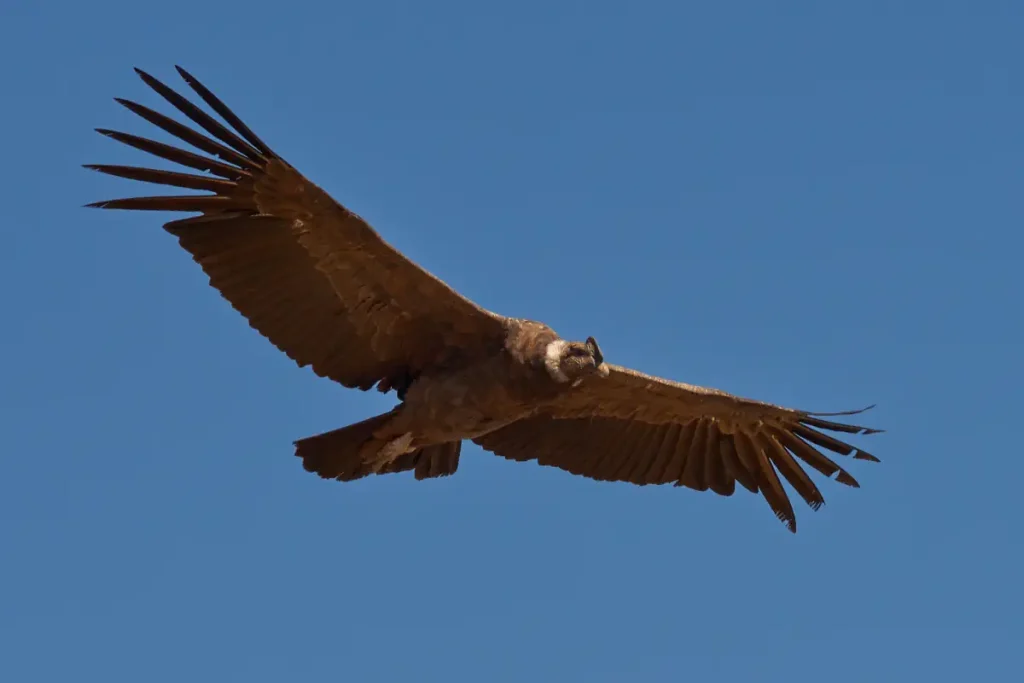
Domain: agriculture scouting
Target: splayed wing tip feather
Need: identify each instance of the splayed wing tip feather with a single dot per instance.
(200, 117)
(225, 112)
(847, 478)
(844, 412)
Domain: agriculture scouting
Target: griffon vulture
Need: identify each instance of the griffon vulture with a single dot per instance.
(324, 287)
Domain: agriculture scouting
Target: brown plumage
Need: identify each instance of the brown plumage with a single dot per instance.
(319, 283)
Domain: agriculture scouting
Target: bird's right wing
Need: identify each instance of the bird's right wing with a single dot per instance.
(310, 275)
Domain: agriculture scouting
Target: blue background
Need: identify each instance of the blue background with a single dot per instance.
(815, 204)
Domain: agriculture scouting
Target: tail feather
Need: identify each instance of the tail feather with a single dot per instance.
(338, 454)
(437, 461)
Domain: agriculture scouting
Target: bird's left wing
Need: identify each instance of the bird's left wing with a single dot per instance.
(648, 430)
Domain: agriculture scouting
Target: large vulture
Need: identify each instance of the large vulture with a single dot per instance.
(319, 283)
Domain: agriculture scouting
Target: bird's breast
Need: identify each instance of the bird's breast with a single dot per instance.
(474, 398)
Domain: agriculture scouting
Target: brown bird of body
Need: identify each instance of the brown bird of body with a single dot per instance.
(327, 290)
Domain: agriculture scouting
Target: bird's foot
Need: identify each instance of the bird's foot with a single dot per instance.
(389, 452)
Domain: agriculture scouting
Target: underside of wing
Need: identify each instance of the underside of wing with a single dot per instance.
(646, 430)
(308, 274)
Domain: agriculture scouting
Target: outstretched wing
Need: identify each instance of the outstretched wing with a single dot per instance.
(308, 274)
(647, 430)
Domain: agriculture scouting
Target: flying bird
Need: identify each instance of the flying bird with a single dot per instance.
(325, 288)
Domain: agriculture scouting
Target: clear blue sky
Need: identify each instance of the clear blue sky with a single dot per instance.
(816, 204)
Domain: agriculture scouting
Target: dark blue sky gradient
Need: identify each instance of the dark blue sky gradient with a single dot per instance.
(814, 204)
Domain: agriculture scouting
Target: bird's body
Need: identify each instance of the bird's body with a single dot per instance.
(327, 290)
(472, 398)
(467, 397)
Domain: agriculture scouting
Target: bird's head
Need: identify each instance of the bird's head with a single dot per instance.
(568, 361)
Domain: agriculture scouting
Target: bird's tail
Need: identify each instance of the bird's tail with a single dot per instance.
(339, 454)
